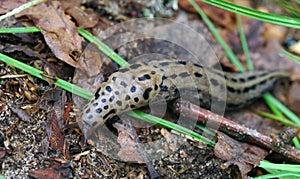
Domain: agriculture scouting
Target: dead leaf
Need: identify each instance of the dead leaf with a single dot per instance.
(243, 155)
(8, 5)
(22, 114)
(59, 31)
(84, 18)
(294, 97)
(56, 137)
(56, 170)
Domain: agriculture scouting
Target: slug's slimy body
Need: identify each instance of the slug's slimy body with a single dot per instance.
(136, 85)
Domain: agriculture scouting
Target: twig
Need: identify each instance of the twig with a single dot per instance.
(234, 129)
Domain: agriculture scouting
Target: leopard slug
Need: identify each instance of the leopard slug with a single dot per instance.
(136, 85)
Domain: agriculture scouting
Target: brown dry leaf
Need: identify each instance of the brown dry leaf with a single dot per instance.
(56, 137)
(7, 5)
(243, 155)
(22, 114)
(294, 97)
(56, 170)
(84, 19)
(48, 98)
(59, 31)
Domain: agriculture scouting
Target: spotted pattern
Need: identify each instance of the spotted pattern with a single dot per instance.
(134, 86)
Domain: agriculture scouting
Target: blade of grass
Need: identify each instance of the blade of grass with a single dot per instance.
(103, 47)
(263, 16)
(169, 125)
(277, 118)
(290, 55)
(296, 142)
(213, 30)
(244, 42)
(38, 73)
(292, 175)
(21, 8)
(19, 30)
(284, 109)
(286, 167)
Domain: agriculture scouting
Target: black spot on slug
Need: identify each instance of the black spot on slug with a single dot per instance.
(126, 106)
(144, 77)
(198, 75)
(103, 100)
(230, 89)
(132, 106)
(133, 89)
(153, 72)
(197, 65)
(122, 70)
(109, 113)
(119, 103)
(114, 79)
(87, 111)
(214, 82)
(111, 98)
(147, 93)
(242, 80)
(95, 104)
(95, 123)
(97, 95)
(247, 89)
(163, 87)
(163, 78)
(262, 82)
(127, 97)
(234, 80)
(184, 74)
(136, 99)
(135, 66)
(173, 76)
(181, 62)
(98, 110)
(117, 92)
(122, 83)
(164, 63)
(105, 107)
(251, 77)
(90, 116)
(155, 87)
(108, 89)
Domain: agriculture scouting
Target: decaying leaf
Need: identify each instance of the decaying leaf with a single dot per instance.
(243, 155)
(59, 31)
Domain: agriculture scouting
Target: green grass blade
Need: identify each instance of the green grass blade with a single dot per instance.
(19, 30)
(290, 55)
(103, 47)
(263, 16)
(213, 30)
(283, 109)
(244, 43)
(277, 118)
(38, 73)
(169, 125)
(274, 166)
